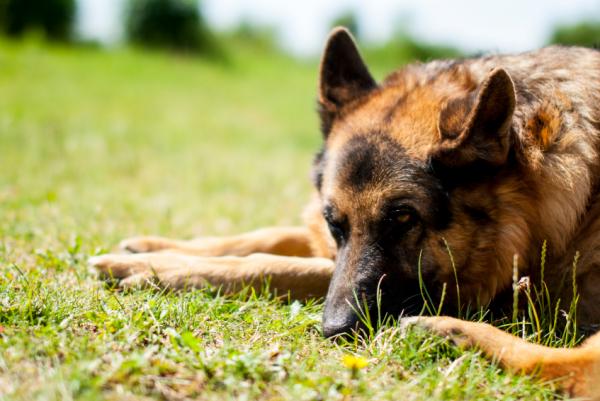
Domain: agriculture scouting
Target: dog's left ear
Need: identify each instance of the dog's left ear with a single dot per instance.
(478, 128)
(343, 77)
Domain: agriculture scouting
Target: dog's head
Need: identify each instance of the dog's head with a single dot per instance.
(396, 177)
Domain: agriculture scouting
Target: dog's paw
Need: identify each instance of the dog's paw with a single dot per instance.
(408, 323)
(163, 269)
(145, 244)
(117, 266)
(433, 324)
(128, 271)
(444, 326)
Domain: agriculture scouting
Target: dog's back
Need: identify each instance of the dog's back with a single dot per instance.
(557, 88)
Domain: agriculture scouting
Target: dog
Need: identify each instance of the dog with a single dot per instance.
(450, 175)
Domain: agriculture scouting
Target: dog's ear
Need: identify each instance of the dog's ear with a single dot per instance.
(478, 127)
(343, 76)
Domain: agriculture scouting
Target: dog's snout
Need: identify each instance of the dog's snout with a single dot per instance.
(351, 294)
(339, 323)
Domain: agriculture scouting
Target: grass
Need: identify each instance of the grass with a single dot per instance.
(98, 146)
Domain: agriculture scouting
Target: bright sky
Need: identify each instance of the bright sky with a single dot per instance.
(301, 26)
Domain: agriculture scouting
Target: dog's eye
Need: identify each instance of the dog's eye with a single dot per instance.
(404, 217)
(338, 226)
(336, 230)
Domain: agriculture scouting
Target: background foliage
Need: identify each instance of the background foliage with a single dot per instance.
(54, 18)
(172, 24)
(585, 33)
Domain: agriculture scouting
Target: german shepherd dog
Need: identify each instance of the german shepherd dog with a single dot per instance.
(442, 173)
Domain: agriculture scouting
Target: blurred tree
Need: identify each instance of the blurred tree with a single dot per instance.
(173, 24)
(350, 21)
(585, 33)
(54, 18)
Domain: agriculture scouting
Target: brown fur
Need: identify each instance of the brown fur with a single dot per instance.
(479, 159)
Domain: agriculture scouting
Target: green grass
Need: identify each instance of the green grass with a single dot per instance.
(98, 146)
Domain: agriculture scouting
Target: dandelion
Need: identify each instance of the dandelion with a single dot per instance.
(354, 363)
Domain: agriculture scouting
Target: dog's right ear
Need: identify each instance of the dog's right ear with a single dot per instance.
(343, 78)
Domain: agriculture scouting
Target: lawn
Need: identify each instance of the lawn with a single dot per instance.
(96, 146)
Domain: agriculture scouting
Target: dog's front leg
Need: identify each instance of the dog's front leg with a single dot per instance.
(576, 370)
(300, 277)
(288, 241)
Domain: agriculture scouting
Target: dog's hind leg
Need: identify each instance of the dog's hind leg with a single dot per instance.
(300, 277)
(288, 241)
(575, 370)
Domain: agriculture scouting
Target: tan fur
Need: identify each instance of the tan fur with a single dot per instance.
(556, 143)
(575, 370)
(286, 241)
(298, 277)
(434, 111)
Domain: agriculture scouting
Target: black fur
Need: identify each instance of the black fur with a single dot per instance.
(317, 168)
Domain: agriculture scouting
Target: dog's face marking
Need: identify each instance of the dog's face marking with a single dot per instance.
(362, 160)
(371, 179)
(383, 177)
(381, 206)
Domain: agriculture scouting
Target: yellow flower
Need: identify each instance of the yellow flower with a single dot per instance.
(354, 362)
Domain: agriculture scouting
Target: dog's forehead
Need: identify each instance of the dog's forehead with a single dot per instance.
(407, 106)
(380, 145)
(371, 168)
(371, 159)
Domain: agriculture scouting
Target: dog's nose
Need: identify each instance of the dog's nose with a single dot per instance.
(339, 323)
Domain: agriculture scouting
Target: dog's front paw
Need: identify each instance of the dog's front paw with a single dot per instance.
(144, 244)
(444, 326)
(165, 270)
(407, 323)
(130, 269)
(116, 266)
